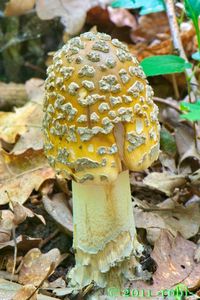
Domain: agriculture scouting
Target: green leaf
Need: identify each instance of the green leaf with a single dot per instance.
(167, 142)
(193, 110)
(152, 6)
(129, 4)
(192, 8)
(196, 55)
(164, 64)
(147, 6)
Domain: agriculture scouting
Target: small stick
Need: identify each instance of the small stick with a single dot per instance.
(175, 86)
(177, 40)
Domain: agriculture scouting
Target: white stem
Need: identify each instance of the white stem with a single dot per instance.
(104, 230)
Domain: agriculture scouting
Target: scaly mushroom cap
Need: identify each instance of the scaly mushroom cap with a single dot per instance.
(99, 113)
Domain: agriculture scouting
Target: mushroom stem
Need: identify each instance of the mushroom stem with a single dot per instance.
(105, 240)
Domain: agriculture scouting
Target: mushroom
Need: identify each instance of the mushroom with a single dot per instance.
(100, 121)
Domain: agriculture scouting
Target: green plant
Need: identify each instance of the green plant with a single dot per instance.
(192, 8)
(192, 110)
(146, 7)
(164, 64)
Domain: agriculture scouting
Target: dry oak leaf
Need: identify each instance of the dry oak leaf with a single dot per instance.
(72, 12)
(36, 265)
(25, 120)
(18, 7)
(8, 290)
(175, 264)
(167, 215)
(164, 182)
(21, 174)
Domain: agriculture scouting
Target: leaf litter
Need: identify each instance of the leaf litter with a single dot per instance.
(165, 197)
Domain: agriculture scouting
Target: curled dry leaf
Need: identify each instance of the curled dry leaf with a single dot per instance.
(18, 7)
(37, 265)
(57, 207)
(186, 147)
(6, 225)
(21, 213)
(164, 182)
(174, 258)
(72, 12)
(24, 243)
(20, 174)
(167, 215)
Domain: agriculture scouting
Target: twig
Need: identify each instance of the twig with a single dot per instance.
(177, 40)
(190, 77)
(15, 253)
(50, 237)
(51, 269)
(175, 86)
(168, 103)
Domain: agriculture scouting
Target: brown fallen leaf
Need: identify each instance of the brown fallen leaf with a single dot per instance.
(26, 292)
(152, 36)
(9, 289)
(72, 12)
(57, 207)
(36, 266)
(35, 90)
(18, 7)
(6, 225)
(25, 121)
(175, 264)
(122, 17)
(164, 182)
(167, 215)
(21, 174)
(186, 147)
(24, 243)
(21, 213)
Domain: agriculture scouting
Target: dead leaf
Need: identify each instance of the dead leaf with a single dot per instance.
(18, 7)
(164, 182)
(152, 36)
(35, 90)
(25, 292)
(20, 174)
(72, 12)
(24, 243)
(6, 225)
(186, 148)
(167, 215)
(122, 17)
(26, 122)
(36, 265)
(60, 212)
(174, 258)
(58, 283)
(8, 290)
(21, 213)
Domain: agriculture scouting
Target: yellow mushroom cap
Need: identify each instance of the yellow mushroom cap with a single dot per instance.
(99, 113)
